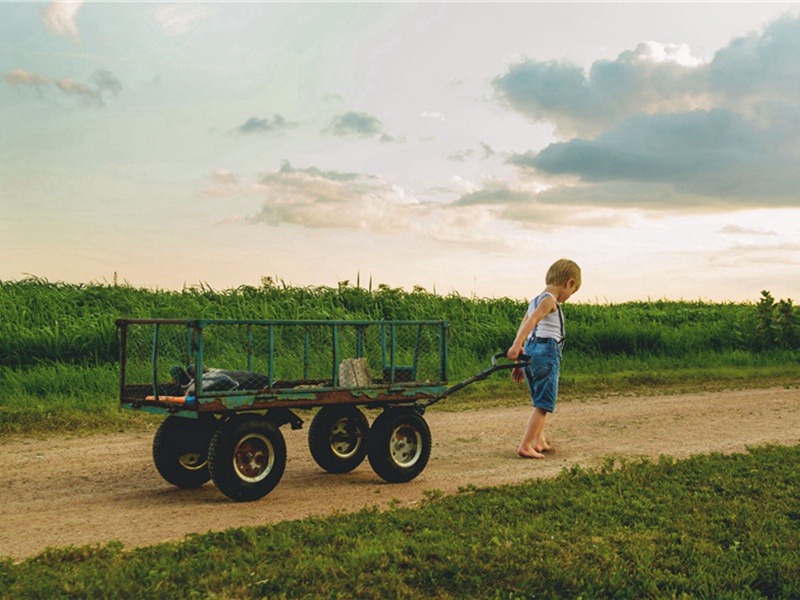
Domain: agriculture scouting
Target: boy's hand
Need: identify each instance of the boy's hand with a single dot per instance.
(517, 375)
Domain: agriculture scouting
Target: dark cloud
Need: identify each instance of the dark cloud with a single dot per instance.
(359, 124)
(760, 63)
(105, 81)
(612, 90)
(256, 125)
(657, 79)
(717, 154)
(501, 195)
(288, 169)
(356, 123)
(724, 133)
(535, 209)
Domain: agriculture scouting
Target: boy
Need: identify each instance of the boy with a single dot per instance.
(541, 335)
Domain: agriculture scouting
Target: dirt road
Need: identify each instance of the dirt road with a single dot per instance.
(84, 490)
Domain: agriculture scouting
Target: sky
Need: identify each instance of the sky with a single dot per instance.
(460, 147)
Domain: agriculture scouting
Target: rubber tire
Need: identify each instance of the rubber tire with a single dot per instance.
(180, 450)
(228, 457)
(325, 425)
(385, 446)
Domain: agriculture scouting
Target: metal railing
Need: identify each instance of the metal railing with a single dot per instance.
(206, 357)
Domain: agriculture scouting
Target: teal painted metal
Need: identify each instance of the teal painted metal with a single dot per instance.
(360, 341)
(203, 323)
(334, 369)
(443, 349)
(398, 342)
(271, 372)
(306, 349)
(393, 351)
(249, 347)
(155, 361)
(416, 349)
(383, 344)
(198, 356)
(160, 410)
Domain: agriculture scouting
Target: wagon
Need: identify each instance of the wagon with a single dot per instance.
(227, 387)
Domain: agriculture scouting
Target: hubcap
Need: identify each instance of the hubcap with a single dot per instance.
(253, 457)
(192, 461)
(345, 438)
(405, 445)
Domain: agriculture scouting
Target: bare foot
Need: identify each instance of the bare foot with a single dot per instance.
(543, 447)
(529, 453)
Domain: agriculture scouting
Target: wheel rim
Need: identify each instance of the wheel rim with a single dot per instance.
(405, 445)
(253, 457)
(345, 438)
(192, 461)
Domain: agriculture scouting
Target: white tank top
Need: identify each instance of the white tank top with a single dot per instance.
(552, 326)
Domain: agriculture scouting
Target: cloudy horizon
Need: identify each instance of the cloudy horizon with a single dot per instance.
(457, 146)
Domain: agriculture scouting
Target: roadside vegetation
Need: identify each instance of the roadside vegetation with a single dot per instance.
(59, 351)
(711, 526)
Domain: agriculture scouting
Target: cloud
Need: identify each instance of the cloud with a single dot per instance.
(760, 65)
(179, 19)
(103, 81)
(275, 125)
(70, 87)
(462, 155)
(528, 203)
(356, 123)
(430, 114)
(317, 199)
(60, 17)
(332, 199)
(668, 130)
(656, 79)
(739, 230)
(21, 78)
(714, 154)
(360, 124)
(785, 253)
(638, 81)
(223, 184)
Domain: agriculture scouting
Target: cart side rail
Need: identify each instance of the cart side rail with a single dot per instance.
(163, 359)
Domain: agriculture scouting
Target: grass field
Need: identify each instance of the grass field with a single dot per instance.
(707, 527)
(710, 526)
(59, 350)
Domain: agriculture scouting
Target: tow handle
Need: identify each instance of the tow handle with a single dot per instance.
(522, 361)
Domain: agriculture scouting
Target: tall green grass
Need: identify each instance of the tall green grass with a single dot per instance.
(710, 526)
(58, 340)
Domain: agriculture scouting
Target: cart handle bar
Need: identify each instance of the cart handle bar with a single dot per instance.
(523, 360)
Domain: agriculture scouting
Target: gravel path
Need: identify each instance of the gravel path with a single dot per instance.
(84, 490)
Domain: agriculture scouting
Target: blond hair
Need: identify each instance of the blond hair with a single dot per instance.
(562, 271)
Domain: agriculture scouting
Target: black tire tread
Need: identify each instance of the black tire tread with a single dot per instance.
(220, 458)
(319, 439)
(177, 434)
(378, 451)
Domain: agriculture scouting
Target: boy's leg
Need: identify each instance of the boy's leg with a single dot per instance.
(533, 430)
(539, 443)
